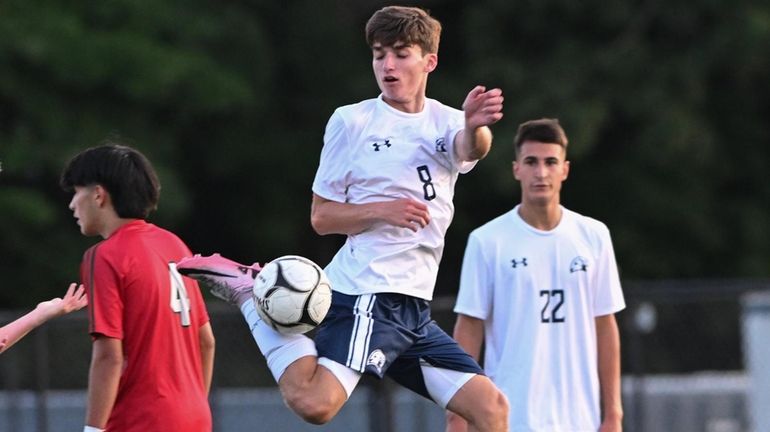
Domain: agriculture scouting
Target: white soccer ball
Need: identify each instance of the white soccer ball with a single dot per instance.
(292, 294)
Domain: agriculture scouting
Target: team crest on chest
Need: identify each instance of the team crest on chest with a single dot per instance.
(578, 264)
(440, 145)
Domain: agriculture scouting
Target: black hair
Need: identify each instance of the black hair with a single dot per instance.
(126, 174)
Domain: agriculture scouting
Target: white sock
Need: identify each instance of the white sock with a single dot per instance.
(280, 350)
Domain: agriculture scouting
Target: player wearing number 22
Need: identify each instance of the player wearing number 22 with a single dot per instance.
(153, 348)
(539, 289)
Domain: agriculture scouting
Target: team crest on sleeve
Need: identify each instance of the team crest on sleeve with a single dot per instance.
(377, 359)
(578, 264)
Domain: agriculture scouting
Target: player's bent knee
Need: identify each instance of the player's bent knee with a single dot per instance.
(312, 392)
(310, 410)
(492, 416)
(482, 404)
(499, 410)
(496, 409)
(313, 407)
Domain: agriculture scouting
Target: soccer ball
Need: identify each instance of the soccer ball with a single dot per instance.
(292, 294)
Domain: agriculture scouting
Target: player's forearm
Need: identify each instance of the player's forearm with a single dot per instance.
(103, 379)
(469, 334)
(473, 144)
(207, 363)
(608, 345)
(207, 344)
(330, 217)
(19, 328)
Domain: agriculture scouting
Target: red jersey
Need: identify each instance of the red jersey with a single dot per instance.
(136, 295)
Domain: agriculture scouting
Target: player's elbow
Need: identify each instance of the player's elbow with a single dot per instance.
(319, 224)
(318, 219)
(479, 153)
(107, 362)
(325, 222)
(480, 148)
(473, 145)
(207, 342)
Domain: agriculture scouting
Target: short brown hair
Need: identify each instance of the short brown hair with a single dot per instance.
(545, 130)
(409, 25)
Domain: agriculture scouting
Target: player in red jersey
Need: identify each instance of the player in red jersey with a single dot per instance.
(153, 348)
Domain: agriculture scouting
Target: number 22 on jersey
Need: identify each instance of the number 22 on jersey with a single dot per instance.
(551, 312)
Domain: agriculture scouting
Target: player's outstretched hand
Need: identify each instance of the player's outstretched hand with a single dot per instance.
(74, 299)
(3, 342)
(483, 107)
(405, 213)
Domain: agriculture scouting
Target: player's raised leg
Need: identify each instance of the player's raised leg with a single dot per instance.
(309, 389)
(312, 391)
(454, 380)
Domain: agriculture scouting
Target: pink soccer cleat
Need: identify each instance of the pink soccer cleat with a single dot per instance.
(229, 280)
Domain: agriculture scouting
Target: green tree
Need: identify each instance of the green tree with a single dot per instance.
(665, 104)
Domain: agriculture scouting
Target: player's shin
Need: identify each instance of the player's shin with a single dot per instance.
(280, 350)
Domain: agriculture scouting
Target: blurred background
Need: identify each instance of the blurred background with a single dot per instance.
(666, 104)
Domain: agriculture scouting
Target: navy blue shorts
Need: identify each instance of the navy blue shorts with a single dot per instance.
(389, 334)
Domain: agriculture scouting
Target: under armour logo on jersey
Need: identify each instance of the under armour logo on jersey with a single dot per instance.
(377, 359)
(578, 264)
(378, 145)
(522, 263)
(441, 145)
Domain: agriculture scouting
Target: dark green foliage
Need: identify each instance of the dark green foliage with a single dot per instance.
(666, 105)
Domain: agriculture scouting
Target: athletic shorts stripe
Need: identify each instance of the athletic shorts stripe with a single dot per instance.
(362, 332)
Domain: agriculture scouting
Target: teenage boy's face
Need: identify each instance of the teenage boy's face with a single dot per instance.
(402, 73)
(84, 206)
(541, 168)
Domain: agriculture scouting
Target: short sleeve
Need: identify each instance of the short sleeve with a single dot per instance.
(105, 303)
(331, 177)
(455, 126)
(609, 296)
(474, 297)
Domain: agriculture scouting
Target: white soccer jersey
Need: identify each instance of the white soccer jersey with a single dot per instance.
(539, 293)
(373, 152)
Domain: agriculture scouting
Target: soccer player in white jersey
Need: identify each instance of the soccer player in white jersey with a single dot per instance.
(539, 289)
(385, 180)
